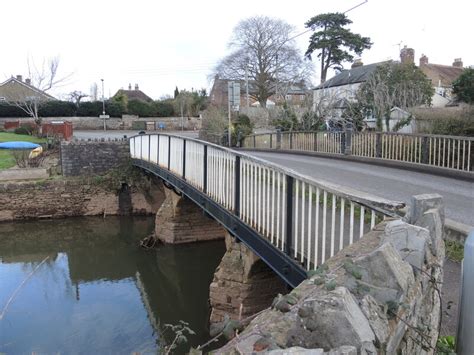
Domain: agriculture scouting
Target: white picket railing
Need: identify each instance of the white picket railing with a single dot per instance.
(450, 152)
(306, 219)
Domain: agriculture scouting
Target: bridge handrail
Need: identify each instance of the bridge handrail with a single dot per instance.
(375, 202)
(468, 138)
(283, 206)
(441, 151)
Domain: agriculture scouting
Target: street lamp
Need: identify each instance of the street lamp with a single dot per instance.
(103, 97)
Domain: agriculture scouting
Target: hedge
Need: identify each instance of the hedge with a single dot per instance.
(93, 109)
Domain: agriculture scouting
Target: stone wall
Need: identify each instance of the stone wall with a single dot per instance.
(377, 296)
(81, 157)
(116, 123)
(73, 197)
(180, 221)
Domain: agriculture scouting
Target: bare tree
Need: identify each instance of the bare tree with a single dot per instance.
(76, 96)
(394, 84)
(42, 79)
(263, 50)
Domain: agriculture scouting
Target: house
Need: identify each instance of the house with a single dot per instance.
(442, 78)
(291, 93)
(338, 92)
(17, 90)
(135, 94)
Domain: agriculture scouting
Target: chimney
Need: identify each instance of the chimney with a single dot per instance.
(407, 55)
(28, 81)
(136, 86)
(423, 60)
(129, 86)
(19, 77)
(357, 63)
(457, 63)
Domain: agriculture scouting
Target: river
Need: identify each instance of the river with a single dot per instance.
(90, 289)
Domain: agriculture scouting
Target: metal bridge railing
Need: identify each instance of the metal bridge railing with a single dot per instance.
(452, 152)
(305, 219)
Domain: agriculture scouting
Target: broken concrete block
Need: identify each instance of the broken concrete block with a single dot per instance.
(384, 274)
(410, 241)
(336, 320)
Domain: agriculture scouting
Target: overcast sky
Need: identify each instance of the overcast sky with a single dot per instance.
(163, 44)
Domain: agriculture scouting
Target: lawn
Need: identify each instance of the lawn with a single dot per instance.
(6, 157)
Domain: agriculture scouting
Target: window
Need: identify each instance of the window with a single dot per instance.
(301, 97)
(288, 97)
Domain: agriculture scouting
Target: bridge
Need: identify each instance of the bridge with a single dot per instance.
(291, 221)
(390, 165)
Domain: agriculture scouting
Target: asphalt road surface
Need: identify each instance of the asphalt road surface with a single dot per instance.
(390, 183)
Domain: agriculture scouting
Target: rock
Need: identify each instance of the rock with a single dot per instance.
(377, 319)
(385, 275)
(343, 350)
(410, 241)
(337, 320)
(304, 312)
(297, 351)
(419, 204)
(431, 220)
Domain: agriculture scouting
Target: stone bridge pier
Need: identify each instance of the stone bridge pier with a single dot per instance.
(243, 284)
(179, 220)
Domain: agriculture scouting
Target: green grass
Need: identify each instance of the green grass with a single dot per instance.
(454, 250)
(12, 137)
(6, 156)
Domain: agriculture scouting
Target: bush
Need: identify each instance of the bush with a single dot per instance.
(94, 109)
(214, 125)
(140, 108)
(164, 108)
(57, 109)
(7, 110)
(453, 121)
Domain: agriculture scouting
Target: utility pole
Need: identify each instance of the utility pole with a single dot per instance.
(103, 104)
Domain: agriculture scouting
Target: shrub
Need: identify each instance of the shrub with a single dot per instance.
(57, 109)
(214, 125)
(22, 130)
(7, 110)
(140, 108)
(446, 121)
(163, 108)
(94, 109)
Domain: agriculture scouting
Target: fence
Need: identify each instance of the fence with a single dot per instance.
(441, 151)
(304, 219)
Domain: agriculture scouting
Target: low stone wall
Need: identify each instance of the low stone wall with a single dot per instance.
(117, 123)
(377, 296)
(81, 157)
(73, 197)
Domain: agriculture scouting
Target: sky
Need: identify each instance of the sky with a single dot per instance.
(163, 44)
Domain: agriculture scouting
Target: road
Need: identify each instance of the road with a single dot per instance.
(390, 183)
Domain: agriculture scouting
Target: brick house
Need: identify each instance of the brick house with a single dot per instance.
(442, 78)
(17, 90)
(293, 94)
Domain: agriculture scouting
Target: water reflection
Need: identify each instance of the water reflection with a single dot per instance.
(97, 291)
